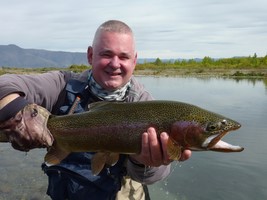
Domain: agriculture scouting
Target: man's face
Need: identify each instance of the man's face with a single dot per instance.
(113, 59)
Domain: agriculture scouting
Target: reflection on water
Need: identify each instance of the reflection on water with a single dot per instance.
(207, 175)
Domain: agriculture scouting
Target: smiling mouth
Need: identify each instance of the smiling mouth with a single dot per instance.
(114, 73)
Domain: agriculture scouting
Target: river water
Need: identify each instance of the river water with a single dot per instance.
(206, 175)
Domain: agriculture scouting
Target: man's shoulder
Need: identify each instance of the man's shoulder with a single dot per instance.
(138, 92)
(82, 76)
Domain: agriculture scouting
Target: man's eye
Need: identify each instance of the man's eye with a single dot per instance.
(124, 57)
(106, 55)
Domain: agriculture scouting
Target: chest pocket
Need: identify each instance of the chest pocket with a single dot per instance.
(77, 97)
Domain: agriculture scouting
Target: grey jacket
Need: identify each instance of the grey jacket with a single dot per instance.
(48, 90)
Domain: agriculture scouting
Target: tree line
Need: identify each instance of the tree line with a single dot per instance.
(208, 62)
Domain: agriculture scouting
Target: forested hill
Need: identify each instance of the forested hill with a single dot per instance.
(15, 56)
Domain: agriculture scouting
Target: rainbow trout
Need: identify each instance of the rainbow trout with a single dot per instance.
(116, 128)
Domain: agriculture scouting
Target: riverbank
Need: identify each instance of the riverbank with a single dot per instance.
(194, 72)
(245, 73)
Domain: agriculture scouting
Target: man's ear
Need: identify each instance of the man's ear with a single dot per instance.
(90, 54)
(135, 59)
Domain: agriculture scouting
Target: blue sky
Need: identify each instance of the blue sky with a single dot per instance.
(163, 28)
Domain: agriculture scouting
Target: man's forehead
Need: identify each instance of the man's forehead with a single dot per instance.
(108, 36)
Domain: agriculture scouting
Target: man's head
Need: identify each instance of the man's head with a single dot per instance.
(112, 55)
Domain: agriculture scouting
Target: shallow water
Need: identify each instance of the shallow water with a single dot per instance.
(206, 175)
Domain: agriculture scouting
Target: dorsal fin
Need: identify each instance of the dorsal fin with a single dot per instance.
(96, 106)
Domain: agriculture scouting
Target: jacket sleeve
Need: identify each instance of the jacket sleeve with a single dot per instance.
(140, 173)
(42, 89)
(147, 175)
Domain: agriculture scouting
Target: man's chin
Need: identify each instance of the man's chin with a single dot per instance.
(113, 85)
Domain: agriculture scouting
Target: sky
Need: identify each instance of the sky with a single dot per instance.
(163, 28)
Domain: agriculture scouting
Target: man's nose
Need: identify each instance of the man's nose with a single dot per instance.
(115, 62)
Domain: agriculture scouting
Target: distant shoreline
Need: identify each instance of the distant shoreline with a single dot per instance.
(242, 73)
(194, 72)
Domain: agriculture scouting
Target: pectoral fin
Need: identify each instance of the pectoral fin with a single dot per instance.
(112, 159)
(55, 155)
(174, 151)
(100, 159)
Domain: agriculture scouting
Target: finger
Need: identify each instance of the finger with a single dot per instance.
(185, 155)
(164, 142)
(144, 156)
(155, 147)
(145, 152)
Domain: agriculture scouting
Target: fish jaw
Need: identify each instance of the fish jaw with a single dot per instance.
(214, 143)
(222, 146)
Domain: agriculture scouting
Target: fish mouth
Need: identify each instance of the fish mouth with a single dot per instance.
(214, 143)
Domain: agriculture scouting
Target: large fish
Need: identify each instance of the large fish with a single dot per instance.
(116, 128)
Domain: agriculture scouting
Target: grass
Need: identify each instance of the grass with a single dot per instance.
(164, 69)
(210, 72)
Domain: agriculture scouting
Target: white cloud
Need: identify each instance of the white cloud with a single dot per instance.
(165, 29)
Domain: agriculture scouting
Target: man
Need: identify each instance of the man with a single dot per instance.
(113, 59)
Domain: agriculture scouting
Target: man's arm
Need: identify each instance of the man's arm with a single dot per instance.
(42, 89)
(22, 120)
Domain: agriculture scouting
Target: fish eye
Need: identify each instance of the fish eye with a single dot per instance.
(217, 125)
(211, 127)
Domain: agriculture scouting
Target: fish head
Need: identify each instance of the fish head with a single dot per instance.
(205, 135)
(215, 131)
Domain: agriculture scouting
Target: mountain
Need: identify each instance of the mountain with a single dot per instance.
(15, 56)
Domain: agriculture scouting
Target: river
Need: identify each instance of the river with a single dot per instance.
(206, 175)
